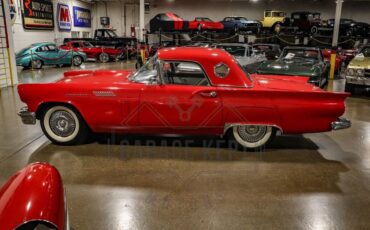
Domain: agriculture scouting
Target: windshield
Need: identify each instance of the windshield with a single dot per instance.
(24, 49)
(237, 51)
(147, 73)
(111, 33)
(203, 20)
(366, 51)
(300, 54)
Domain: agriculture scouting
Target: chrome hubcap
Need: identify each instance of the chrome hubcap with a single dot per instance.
(252, 133)
(104, 57)
(62, 123)
(76, 60)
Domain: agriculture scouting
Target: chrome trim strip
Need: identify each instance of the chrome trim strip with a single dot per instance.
(341, 123)
(104, 93)
(28, 118)
(230, 125)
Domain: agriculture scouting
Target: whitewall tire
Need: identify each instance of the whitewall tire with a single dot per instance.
(252, 136)
(63, 125)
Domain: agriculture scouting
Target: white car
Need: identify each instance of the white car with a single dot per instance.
(243, 53)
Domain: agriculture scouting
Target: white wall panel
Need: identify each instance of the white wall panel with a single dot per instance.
(23, 38)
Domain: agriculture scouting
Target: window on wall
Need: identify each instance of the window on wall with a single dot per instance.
(75, 34)
(85, 34)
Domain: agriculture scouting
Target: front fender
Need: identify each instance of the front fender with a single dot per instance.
(34, 194)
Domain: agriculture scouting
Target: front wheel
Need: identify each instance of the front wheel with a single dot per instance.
(77, 60)
(64, 126)
(36, 64)
(252, 137)
(103, 57)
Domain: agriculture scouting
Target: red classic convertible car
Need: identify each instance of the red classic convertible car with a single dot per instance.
(34, 198)
(102, 54)
(203, 23)
(184, 90)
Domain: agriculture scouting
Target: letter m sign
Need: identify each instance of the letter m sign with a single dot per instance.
(64, 18)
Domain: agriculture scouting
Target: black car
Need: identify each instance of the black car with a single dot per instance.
(271, 51)
(168, 22)
(241, 24)
(303, 22)
(349, 27)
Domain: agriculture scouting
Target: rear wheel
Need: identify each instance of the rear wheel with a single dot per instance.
(314, 30)
(36, 64)
(77, 60)
(103, 57)
(252, 137)
(64, 126)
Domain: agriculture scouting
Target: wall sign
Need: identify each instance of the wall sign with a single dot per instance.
(64, 19)
(81, 17)
(38, 14)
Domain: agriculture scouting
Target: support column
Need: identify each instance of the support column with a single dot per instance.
(338, 14)
(141, 20)
(10, 44)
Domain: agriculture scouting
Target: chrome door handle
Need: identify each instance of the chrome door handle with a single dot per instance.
(209, 94)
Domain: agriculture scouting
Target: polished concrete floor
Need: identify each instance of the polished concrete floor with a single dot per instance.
(315, 181)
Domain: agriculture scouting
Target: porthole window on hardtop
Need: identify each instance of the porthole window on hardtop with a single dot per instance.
(222, 70)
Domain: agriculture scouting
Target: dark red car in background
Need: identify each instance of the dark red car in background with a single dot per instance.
(339, 61)
(203, 23)
(102, 54)
(168, 22)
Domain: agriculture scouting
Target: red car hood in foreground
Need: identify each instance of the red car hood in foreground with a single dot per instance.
(33, 195)
(95, 76)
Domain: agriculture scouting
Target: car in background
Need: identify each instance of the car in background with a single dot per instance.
(243, 53)
(339, 60)
(273, 20)
(241, 24)
(102, 54)
(46, 53)
(183, 91)
(168, 22)
(34, 199)
(271, 51)
(299, 61)
(205, 24)
(303, 22)
(358, 70)
(349, 27)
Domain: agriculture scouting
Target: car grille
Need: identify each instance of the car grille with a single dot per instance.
(252, 25)
(367, 72)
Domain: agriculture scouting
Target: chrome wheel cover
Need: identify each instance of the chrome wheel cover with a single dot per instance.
(252, 133)
(77, 60)
(103, 57)
(62, 123)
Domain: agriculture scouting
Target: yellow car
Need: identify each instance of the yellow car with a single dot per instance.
(273, 19)
(358, 70)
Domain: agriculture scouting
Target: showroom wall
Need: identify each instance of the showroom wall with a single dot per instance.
(23, 38)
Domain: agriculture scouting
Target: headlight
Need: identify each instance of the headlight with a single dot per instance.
(360, 72)
(350, 72)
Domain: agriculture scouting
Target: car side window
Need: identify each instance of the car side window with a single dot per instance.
(42, 49)
(99, 33)
(52, 48)
(183, 73)
(76, 45)
(268, 14)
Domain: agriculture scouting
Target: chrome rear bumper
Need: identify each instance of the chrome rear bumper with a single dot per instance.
(341, 123)
(28, 118)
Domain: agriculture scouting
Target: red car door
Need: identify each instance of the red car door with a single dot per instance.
(184, 100)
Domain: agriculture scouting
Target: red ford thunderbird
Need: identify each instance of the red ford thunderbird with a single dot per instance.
(183, 90)
(102, 54)
(34, 198)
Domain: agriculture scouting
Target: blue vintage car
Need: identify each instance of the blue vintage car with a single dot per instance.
(45, 53)
(241, 24)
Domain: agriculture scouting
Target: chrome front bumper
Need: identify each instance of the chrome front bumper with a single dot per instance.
(28, 118)
(341, 123)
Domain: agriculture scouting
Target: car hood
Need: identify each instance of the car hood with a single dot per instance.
(284, 83)
(360, 63)
(289, 67)
(95, 76)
